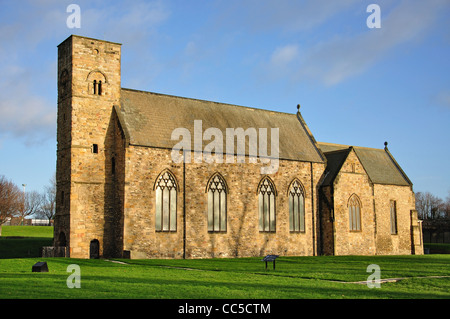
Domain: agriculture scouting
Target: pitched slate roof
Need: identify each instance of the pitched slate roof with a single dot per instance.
(149, 119)
(335, 160)
(379, 164)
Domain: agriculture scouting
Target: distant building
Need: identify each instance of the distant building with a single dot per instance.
(41, 222)
(17, 221)
(121, 194)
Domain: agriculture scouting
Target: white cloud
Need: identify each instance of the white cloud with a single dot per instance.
(132, 21)
(191, 49)
(28, 81)
(286, 15)
(334, 61)
(443, 98)
(22, 113)
(282, 61)
(284, 55)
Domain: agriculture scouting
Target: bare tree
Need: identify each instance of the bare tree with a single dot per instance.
(10, 196)
(48, 206)
(420, 205)
(30, 205)
(447, 206)
(429, 206)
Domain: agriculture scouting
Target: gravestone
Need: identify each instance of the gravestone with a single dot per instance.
(40, 267)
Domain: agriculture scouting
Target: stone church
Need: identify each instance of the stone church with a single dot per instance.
(122, 193)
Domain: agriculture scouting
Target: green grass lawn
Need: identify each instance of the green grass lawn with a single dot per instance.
(27, 231)
(295, 277)
(242, 278)
(24, 241)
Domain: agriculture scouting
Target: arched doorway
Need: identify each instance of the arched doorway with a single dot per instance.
(94, 249)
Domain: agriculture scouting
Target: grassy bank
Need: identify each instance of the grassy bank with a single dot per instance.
(27, 231)
(242, 278)
(24, 241)
(295, 277)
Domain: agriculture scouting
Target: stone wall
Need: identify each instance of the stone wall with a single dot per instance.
(84, 117)
(326, 213)
(242, 238)
(142, 167)
(54, 251)
(374, 237)
(401, 242)
(352, 179)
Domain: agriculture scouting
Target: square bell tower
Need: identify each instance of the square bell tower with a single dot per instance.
(88, 88)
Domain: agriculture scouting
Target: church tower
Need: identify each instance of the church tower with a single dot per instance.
(88, 88)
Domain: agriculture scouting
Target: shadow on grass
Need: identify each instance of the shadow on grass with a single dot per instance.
(154, 279)
(23, 247)
(189, 287)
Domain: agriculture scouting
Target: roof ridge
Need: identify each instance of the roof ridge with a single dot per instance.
(337, 151)
(208, 101)
(329, 179)
(399, 168)
(354, 146)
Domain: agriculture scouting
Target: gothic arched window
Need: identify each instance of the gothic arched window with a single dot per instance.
(166, 202)
(296, 207)
(354, 213)
(266, 205)
(217, 203)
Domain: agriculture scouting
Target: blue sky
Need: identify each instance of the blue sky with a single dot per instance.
(356, 86)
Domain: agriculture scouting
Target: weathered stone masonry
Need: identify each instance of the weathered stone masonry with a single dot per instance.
(114, 144)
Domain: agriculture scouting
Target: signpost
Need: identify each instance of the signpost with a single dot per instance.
(270, 258)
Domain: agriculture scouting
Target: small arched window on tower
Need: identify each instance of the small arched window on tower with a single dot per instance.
(97, 81)
(97, 87)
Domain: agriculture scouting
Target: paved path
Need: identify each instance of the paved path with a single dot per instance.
(364, 282)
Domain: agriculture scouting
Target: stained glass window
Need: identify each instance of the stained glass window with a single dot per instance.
(266, 204)
(354, 212)
(166, 202)
(217, 204)
(296, 207)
